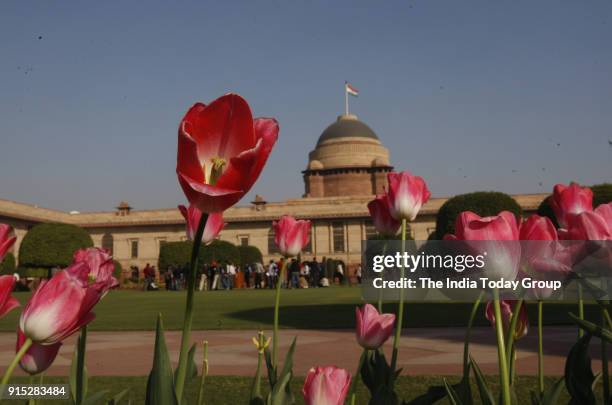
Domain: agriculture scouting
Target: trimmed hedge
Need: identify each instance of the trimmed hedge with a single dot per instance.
(53, 244)
(8, 265)
(249, 255)
(178, 254)
(483, 203)
(602, 194)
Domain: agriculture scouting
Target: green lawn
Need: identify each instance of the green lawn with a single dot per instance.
(235, 390)
(250, 309)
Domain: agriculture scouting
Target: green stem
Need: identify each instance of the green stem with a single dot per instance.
(510, 334)
(356, 377)
(540, 349)
(188, 319)
(82, 343)
(501, 351)
(276, 308)
(256, 386)
(380, 290)
(604, 362)
(18, 356)
(400, 308)
(468, 334)
(204, 374)
(580, 309)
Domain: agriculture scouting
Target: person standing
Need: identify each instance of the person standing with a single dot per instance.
(271, 274)
(315, 273)
(339, 275)
(259, 273)
(294, 267)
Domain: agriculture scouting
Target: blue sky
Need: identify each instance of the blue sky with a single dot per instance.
(480, 95)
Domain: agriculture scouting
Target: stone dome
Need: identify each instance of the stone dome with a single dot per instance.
(347, 126)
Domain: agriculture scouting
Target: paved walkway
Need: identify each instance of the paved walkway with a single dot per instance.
(432, 351)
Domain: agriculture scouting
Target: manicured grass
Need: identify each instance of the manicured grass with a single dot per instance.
(322, 308)
(235, 390)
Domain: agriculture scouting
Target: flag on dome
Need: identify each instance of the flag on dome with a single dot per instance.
(350, 89)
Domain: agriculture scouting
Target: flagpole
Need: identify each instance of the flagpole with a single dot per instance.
(346, 110)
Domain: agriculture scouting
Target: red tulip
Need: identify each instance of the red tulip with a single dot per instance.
(6, 241)
(497, 236)
(7, 302)
(326, 386)
(192, 215)
(407, 193)
(590, 225)
(373, 329)
(384, 223)
(507, 306)
(100, 268)
(291, 235)
(60, 306)
(567, 201)
(221, 152)
(38, 357)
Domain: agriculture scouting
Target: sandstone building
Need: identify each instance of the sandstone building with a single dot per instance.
(347, 167)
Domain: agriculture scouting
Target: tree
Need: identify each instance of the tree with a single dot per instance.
(483, 203)
(52, 245)
(7, 266)
(249, 255)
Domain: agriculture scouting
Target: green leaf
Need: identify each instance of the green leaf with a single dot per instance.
(160, 385)
(453, 397)
(192, 368)
(281, 392)
(579, 376)
(483, 388)
(270, 367)
(551, 396)
(592, 328)
(72, 379)
(115, 400)
(95, 398)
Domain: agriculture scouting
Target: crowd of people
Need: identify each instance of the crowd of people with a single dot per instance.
(227, 275)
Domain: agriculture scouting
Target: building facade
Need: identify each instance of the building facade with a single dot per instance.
(346, 169)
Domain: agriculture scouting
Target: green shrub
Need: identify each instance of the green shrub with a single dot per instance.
(8, 264)
(118, 270)
(602, 194)
(51, 245)
(249, 255)
(483, 203)
(34, 272)
(178, 254)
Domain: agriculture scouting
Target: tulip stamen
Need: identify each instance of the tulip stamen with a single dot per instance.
(216, 169)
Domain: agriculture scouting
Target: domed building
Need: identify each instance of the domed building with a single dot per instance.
(348, 160)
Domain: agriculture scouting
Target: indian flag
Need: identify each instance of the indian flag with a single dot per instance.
(350, 89)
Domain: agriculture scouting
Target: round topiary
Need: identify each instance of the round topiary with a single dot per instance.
(8, 264)
(221, 252)
(52, 245)
(602, 194)
(483, 203)
(175, 254)
(118, 270)
(178, 254)
(249, 255)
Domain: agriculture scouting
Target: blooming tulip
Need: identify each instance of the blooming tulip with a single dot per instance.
(221, 152)
(7, 302)
(38, 357)
(192, 215)
(60, 306)
(407, 193)
(291, 235)
(567, 201)
(326, 386)
(384, 223)
(373, 329)
(100, 268)
(497, 236)
(507, 306)
(593, 225)
(6, 241)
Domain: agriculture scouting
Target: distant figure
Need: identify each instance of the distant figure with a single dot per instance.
(271, 274)
(259, 275)
(294, 267)
(358, 273)
(339, 274)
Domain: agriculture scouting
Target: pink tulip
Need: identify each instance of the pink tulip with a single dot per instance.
(567, 201)
(6, 241)
(100, 267)
(373, 329)
(384, 223)
(407, 194)
(291, 235)
(192, 215)
(590, 225)
(60, 306)
(38, 357)
(326, 386)
(507, 306)
(7, 302)
(497, 236)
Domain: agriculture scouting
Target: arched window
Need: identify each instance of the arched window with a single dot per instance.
(107, 242)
